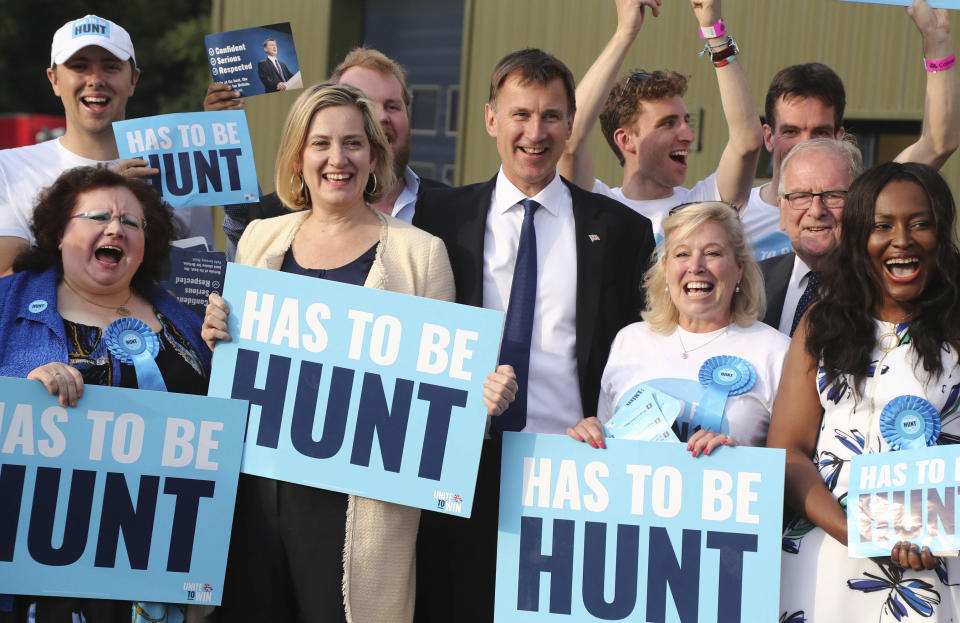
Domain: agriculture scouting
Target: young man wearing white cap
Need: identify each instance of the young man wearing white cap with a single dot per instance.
(93, 71)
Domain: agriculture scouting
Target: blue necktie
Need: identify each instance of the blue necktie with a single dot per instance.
(809, 295)
(518, 326)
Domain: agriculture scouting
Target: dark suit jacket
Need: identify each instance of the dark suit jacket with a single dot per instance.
(269, 76)
(609, 269)
(776, 277)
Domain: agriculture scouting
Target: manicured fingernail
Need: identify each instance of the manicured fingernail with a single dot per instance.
(579, 437)
(593, 443)
(689, 447)
(694, 453)
(707, 451)
(724, 442)
(603, 445)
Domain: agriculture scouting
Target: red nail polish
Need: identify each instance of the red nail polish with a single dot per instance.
(724, 442)
(593, 443)
(603, 445)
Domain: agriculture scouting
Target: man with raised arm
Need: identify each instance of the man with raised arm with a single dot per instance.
(808, 100)
(646, 124)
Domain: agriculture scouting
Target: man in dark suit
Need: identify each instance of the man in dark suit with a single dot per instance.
(271, 70)
(814, 179)
(588, 254)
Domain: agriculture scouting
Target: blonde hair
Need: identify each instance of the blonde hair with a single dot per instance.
(746, 307)
(294, 194)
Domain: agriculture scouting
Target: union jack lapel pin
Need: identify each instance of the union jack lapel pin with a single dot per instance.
(593, 237)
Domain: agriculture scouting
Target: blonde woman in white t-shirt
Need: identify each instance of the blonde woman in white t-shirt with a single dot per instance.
(704, 296)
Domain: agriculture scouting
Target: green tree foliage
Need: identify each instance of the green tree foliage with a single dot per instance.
(167, 37)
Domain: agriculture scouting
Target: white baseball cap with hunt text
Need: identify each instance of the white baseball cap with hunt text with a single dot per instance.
(90, 30)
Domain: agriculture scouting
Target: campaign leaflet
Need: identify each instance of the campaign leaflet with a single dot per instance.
(204, 158)
(194, 274)
(256, 60)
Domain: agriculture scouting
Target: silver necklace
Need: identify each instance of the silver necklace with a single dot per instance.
(686, 350)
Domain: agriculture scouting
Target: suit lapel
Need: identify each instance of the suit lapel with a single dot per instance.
(776, 280)
(591, 234)
(470, 233)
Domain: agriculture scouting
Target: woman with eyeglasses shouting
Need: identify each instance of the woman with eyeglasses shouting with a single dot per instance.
(101, 240)
(700, 360)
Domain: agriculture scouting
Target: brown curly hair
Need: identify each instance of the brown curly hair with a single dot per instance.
(55, 206)
(625, 101)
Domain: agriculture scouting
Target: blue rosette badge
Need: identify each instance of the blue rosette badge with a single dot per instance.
(133, 342)
(722, 376)
(909, 422)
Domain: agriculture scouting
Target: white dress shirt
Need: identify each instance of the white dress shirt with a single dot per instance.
(403, 207)
(553, 394)
(798, 283)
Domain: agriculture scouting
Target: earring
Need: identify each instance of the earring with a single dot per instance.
(374, 189)
(299, 193)
(737, 289)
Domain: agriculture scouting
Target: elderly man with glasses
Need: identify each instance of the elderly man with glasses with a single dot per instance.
(814, 178)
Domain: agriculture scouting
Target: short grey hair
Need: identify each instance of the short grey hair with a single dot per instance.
(844, 149)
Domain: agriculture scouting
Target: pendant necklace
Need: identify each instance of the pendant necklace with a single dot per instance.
(686, 350)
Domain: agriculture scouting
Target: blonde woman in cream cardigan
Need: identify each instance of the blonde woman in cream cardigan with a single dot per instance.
(299, 553)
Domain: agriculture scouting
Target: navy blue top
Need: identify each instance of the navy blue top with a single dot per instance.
(355, 273)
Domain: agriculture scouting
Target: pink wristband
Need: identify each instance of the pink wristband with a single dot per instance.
(717, 30)
(940, 64)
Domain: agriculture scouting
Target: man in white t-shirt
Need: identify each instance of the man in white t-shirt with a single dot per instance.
(807, 101)
(93, 71)
(646, 124)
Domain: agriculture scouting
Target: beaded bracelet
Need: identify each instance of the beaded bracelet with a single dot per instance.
(723, 57)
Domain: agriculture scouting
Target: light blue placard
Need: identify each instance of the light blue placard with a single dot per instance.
(641, 531)
(909, 495)
(205, 158)
(129, 495)
(937, 4)
(356, 389)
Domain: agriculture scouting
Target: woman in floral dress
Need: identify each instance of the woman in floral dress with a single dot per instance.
(887, 330)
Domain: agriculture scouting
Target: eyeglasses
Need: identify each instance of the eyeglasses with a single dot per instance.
(637, 78)
(829, 198)
(679, 207)
(105, 218)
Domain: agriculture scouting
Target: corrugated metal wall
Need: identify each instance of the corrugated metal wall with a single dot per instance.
(875, 49)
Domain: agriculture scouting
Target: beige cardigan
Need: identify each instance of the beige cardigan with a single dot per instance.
(379, 554)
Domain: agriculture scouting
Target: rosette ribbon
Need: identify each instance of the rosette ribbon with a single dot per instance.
(909, 422)
(721, 377)
(133, 342)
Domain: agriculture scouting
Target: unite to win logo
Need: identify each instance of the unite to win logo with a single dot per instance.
(449, 502)
(198, 591)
